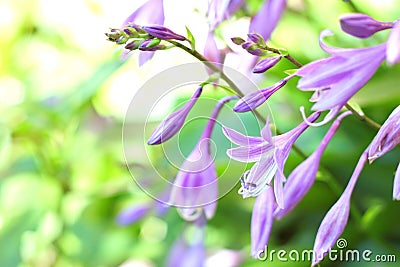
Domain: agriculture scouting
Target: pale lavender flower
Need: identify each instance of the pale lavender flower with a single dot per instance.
(335, 220)
(303, 176)
(162, 32)
(393, 45)
(266, 20)
(220, 10)
(195, 188)
(151, 12)
(337, 78)
(133, 213)
(269, 153)
(255, 99)
(396, 184)
(266, 64)
(361, 25)
(173, 122)
(261, 221)
(387, 137)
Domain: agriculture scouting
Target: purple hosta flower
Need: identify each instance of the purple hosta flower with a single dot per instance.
(162, 33)
(337, 78)
(133, 213)
(195, 188)
(151, 12)
(265, 21)
(269, 153)
(252, 48)
(335, 220)
(174, 122)
(393, 45)
(266, 63)
(261, 222)
(220, 10)
(255, 99)
(396, 184)
(302, 178)
(387, 137)
(361, 25)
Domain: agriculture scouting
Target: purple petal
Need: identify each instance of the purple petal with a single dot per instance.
(387, 137)
(261, 222)
(361, 25)
(335, 220)
(211, 51)
(250, 153)
(396, 184)
(150, 12)
(266, 20)
(393, 45)
(240, 139)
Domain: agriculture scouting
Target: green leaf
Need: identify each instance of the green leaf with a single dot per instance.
(191, 39)
(290, 71)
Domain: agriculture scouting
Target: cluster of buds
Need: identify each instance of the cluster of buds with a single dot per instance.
(256, 46)
(144, 38)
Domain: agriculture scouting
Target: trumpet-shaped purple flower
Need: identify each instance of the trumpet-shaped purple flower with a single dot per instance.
(387, 137)
(337, 78)
(396, 184)
(255, 99)
(269, 153)
(151, 12)
(261, 221)
(266, 20)
(195, 188)
(173, 122)
(335, 220)
(361, 25)
(162, 33)
(303, 176)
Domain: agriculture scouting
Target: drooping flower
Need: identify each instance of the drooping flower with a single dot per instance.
(387, 137)
(173, 122)
(396, 184)
(269, 153)
(195, 188)
(337, 78)
(361, 25)
(151, 12)
(266, 20)
(303, 176)
(335, 220)
(261, 221)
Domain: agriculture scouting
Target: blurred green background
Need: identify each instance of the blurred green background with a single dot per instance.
(63, 178)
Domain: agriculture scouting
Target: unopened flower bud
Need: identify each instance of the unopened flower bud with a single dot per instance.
(238, 40)
(266, 64)
(256, 38)
(361, 25)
